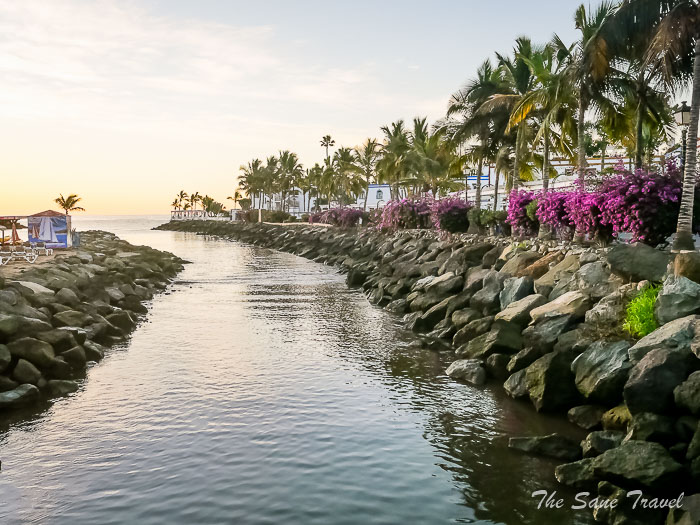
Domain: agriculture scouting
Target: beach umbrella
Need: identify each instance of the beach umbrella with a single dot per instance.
(15, 237)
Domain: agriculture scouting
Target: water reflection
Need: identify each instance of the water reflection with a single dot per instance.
(262, 390)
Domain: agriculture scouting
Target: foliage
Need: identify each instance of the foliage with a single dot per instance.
(342, 217)
(551, 210)
(406, 214)
(639, 316)
(69, 203)
(518, 218)
(451, 214)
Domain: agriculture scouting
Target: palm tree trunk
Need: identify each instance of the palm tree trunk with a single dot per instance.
(581, 139)
(479, 169)
(495, 193)
(511, 182)
(602, 156)
(638, 139)
(545, 161)
(364, 206)
(684, 231)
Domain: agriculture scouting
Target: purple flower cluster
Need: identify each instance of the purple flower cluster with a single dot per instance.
(406, 214)
(517, 213)
(342, 217)
(451, 214)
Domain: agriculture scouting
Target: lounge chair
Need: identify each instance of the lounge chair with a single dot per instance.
(22, 253)
(5, 256)
(41, 247)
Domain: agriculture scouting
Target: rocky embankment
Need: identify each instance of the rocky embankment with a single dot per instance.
(544, 320)
(57, 317)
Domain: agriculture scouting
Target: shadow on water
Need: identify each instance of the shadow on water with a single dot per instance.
(263, 391)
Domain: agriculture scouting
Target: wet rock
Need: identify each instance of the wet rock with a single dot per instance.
(679, 334)
(678, 298)
(577, 475)
(519, 262)
(586, 416)
(516, 385)
(59, 387)
(471, 330)
(599, 441)
(694, 446)
(398, 306)
(514, 289)
(638, 262)
(496, 365)
(71, 318)
(502, 338)
(624, 512)
(572, 303)
(75, 357)
(25, 372)
(518, 312)
(22, 395)
(646, 426)
(550, 383)
(469, 370)
(33, 350)
(5, 358)
(465, 316)
(617, 418)
(638, 463)
(602, 370)
(686, 395)
(60, 340)
(687, 514)
(7, 384)
(58, 369)
(652, 381)
(546, 333)
(553, 446)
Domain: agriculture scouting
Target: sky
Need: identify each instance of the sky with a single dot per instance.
(127, 102)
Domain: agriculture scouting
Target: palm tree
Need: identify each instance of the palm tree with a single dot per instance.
(181, 197)
(69, 203)
(366, 157)
(194, 199)
(290, 169)
(327, 142)
(175, 204)
(251, 180)
(315, 177)
(235, 198)
(394, 164)
(348, 181)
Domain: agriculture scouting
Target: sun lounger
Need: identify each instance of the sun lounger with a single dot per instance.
(40, 248)
(28, 256)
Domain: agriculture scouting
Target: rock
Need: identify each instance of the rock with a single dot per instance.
(122, 320)
(572, 303)
(638, 262)
(59, 387)
(594, 280)
(59, 369)
(93, 351)
(516, 385)
(71, 318)
(19, 396)
(496, 365)
(686, 395)
(550, 383)
(540, 267)
(25, 372)
(688, 514)
(37, 352)
(587, 417)
(545, 334)
(464, 316)
(7, 384)
(60, 340)
(518, 312)
(398, 306)
(524, 358)
(354, 279)
(67, 296)
(602, 370)
(75, 357)
(574, 341)
(577, 475)
(472, 330)
(646, 426)
(503, 338)
(599, 441)
(9, 324)
(487, 300)
(652, 381)
(638, 463)
(617, 418)
(469, 370)
(564, 269)
(687, 264)
(491, 256)
(610, 310)
(5, 358)
(678, 298)
(514, 289)
(519, 262)
(626, 510)
(694, 446)
(553, 446)
(33, 292)
(679, 334)
(446, 284)
(475, 279)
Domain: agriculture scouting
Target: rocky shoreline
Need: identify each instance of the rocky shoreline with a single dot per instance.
(58, 317)
(544, 319)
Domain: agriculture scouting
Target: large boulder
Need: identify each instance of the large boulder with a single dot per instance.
(610, 310)
(553, 446)
(545, 334)
(25, 372)
(71, 318)
(5, 358)
(9, 324)
(638, 262)
(35, 293)
(686, 395)
(572, 303)
(471, 330)
(475, 279)
(516, 385)
(37, 352)
(519, 262)
(687, 264)
(541, 266)
(61, 387)
(518, 312)
(678, 298)
(681, 334)
(486, 300)
(562, 270)
(594, 280)
(586, 416)
(550, 382)
(617, 418)
(19, 396)
(514, 289)
(464, 316)
(68, 297)
(646, 426)
(601, 371)
(504, 338)
(469, 370)
(578, 474)
(599, 441)
(446, 284)
(426, 322)
(524, 358)
(59, 339)
(651, 382)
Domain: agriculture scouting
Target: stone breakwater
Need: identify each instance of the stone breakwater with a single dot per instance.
(57, 317)
(544, 320)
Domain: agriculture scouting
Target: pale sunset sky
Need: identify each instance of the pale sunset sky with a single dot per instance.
(126, 102)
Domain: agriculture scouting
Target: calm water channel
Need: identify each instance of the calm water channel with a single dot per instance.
(261, 390)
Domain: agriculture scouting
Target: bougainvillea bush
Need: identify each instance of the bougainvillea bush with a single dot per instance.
(342, 217)
(451, 214)
(551, 210)
(522, 224)
(405, 214)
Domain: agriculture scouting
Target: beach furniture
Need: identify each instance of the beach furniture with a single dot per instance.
(22, 253)
(41, 249)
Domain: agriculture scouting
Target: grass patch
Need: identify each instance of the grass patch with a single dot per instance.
(639, 317)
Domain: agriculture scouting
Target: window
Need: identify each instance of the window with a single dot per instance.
(380, 195)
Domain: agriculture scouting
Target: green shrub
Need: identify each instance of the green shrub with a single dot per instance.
(639, 318)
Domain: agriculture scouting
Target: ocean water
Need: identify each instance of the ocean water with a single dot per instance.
(260, 389)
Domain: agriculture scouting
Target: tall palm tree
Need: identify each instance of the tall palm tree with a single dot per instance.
(251, 180)
(235, 197)
(69, 203)
(366, 157)
(436, 165)
(348, 180)
(327, 142)
(393, 167)
(194, 199)
(181, 198)
(315, 177)
(175, 204)
(290, 169)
